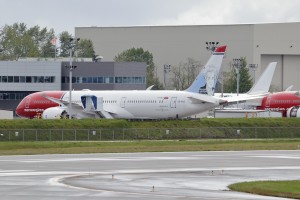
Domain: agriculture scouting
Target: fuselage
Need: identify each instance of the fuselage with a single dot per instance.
(280, 101)
(126, 104)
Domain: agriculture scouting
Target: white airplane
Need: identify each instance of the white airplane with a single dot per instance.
(258, 91)
(133, 104)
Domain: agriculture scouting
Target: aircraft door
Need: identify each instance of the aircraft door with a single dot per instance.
(123, 100)
(268, 102)
(27, 102)
(173, 102)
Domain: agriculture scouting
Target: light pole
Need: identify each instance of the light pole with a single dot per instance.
(167, 69)
(237, 66)
(71, 45)
(211, 46)
(253, 67)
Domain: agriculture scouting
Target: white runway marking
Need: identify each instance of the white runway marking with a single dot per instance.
(104, 159)
(11, 171)
(279, 156)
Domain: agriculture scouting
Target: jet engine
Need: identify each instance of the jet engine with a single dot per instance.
(293, 111)
(55, 113)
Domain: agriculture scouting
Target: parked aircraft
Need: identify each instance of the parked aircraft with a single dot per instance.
(288, 102)
(141, 104)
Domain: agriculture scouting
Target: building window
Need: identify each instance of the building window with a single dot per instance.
(90, 79)
(22, 79)
(100, 80)
(10, 79)
(16, 79)
(13, 95)
(95, 80)
(4, 79)
(34, 79)
(41, 79)
(105, 80)
(28, 79)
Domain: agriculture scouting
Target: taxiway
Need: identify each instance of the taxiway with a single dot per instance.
(176, 175)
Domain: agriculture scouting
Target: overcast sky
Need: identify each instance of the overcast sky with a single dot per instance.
(65, 15)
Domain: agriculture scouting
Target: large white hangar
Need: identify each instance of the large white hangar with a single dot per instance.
(172, 45)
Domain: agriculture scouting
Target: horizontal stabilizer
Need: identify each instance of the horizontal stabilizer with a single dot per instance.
(201, 99)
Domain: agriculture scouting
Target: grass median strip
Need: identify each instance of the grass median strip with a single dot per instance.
(286, 189)
(30, 148)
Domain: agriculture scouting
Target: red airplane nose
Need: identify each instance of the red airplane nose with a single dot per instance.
(20, 109)
(35, 103)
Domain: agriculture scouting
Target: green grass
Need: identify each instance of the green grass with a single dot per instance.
(29, 148)
(286, 189)
(119, 123)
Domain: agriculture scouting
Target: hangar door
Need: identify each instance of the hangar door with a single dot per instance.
(287, 71)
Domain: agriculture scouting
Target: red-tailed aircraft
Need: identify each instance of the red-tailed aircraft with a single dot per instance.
(288, 102)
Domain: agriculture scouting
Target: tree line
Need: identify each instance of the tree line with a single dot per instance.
(18, 41)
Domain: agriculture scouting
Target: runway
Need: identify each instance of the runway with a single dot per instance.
(176, 175)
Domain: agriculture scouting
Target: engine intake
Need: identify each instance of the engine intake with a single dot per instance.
(55, 113)
(293, 111)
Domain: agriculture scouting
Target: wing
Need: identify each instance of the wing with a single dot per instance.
(61, 102)
(243, 98)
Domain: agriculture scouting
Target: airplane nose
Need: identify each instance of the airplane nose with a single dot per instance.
(20, 109)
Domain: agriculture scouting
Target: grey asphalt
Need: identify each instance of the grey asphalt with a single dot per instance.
(176, 175)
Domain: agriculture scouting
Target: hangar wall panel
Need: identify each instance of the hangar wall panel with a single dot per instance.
(287, 71)
(276, 84)
(291, 72)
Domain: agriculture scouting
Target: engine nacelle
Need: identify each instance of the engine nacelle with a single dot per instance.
(293, 111)
(55, 113)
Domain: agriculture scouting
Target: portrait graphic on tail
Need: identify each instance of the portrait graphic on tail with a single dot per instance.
(210, 81)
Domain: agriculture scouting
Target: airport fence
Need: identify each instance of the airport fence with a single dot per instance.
(148, 133)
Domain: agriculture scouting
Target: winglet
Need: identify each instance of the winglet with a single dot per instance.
(206, 80)
(289, 88)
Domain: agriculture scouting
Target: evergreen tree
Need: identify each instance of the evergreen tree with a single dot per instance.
(85, 49)
(245, 82)
(139, 55)
(64, 39)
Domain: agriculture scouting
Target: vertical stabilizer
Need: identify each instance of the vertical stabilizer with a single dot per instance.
(206, 80)
(264, 81)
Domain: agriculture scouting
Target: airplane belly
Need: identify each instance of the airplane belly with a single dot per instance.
(156, 112)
